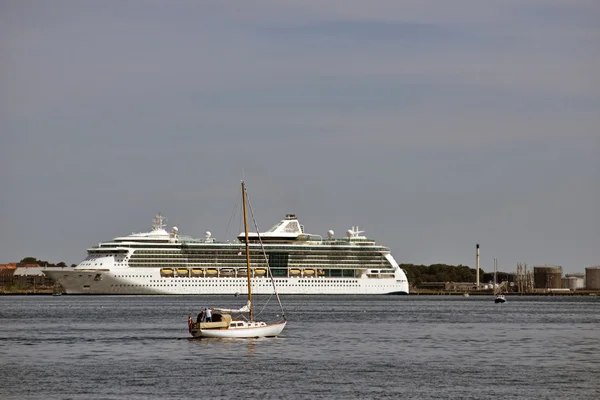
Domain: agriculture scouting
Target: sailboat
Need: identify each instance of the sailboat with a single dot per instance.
(221, 324)
(498, 297)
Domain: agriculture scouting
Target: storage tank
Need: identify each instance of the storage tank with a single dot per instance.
(592, 278)
(580, 275)
(576, 274)
(572, 283)
(547, 277)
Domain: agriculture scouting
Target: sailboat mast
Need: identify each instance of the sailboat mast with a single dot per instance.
(495, 273)
(247, 249)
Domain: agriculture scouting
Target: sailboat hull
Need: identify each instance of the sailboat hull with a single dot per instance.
(246, 332)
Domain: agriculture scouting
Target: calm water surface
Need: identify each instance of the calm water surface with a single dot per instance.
(340, 347)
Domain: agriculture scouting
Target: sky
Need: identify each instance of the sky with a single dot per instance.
(431, 125)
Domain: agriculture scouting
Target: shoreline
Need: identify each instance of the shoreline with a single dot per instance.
(509, 294)
(586, 292)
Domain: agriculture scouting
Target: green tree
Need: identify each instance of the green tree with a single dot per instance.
(418, 274)
(29, 260)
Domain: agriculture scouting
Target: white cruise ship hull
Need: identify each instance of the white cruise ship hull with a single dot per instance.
(143, 281)
(158, 262)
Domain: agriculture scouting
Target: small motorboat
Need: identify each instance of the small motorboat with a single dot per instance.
(498, 297)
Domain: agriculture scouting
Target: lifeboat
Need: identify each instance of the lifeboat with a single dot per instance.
(227, 272)
(294, 272)
(166, 271)
(211, 272)
(197, 271)
(182, 271)
(260, 271)
(309, 272)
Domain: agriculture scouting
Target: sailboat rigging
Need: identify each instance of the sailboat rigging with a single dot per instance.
(218, 323)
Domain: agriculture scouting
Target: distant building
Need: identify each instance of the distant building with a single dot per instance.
(572, 283)
(29, 271)
(23, 274)
(458, 285)
(6, 273)
(592, 278)
(547, 276)
(432, 285)
(450, 286)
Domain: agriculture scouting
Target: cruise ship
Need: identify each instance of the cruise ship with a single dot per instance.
(161, 262)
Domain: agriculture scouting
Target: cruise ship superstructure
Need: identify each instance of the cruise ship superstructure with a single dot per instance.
(162, 262)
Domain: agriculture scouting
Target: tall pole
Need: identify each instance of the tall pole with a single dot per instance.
(477, 271)
(495, 273)
(247, 250)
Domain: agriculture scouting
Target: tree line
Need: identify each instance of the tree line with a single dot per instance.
(43, 263)
(418, 274)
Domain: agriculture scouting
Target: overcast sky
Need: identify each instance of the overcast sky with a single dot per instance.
(432, 125)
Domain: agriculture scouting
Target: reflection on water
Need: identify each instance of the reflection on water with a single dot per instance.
(249, 342)
(345, 347)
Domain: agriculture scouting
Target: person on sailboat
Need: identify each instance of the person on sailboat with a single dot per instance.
(208, 315)
(200, 317)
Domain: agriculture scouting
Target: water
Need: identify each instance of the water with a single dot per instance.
(354, 347)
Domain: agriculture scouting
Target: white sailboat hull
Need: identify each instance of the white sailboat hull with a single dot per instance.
(246, 332)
